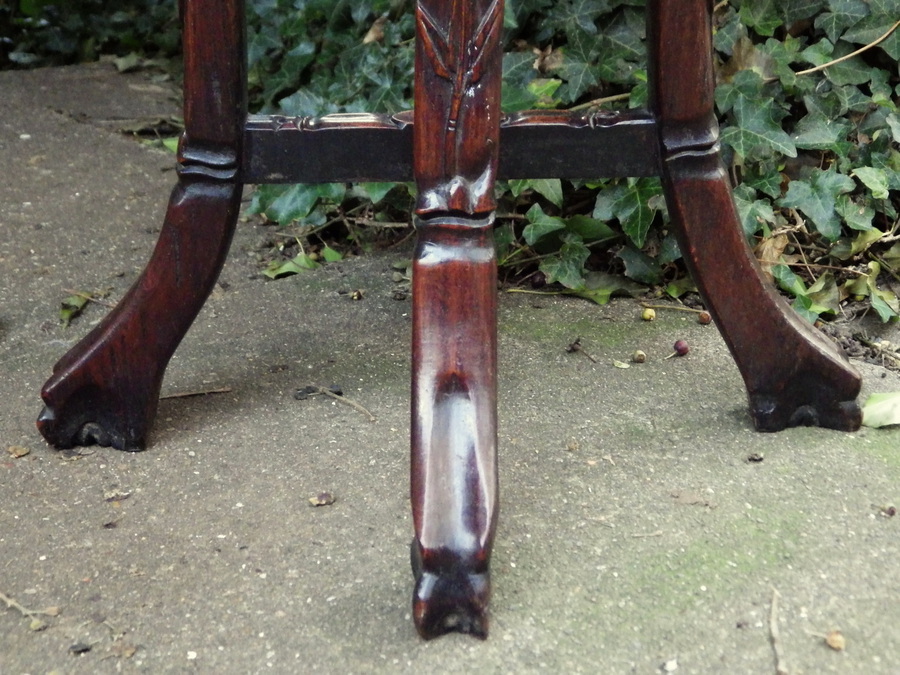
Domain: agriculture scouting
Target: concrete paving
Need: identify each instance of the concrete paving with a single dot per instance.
(635, 535)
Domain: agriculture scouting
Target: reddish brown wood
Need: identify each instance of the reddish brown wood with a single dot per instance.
(454, 424)
(457, 105)
(105, 390)
(454, 351)
(792, 373)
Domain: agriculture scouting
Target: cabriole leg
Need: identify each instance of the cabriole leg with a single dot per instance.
(105, 390)
(793, 374)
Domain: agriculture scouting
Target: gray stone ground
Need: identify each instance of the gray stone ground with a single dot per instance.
(635, 536)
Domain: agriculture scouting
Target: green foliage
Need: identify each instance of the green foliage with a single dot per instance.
(807, 97)
(58, 32)
(812, 141)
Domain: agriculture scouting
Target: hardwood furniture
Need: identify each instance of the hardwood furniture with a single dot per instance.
(454, 145)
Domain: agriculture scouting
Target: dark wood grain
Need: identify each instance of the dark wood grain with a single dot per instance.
(106, 389)
(793, 374)
(454, 350)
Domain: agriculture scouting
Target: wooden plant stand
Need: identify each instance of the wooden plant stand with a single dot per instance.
(454, 145)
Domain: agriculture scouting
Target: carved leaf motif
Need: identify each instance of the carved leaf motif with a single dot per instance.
(466, 60)
(436, 44)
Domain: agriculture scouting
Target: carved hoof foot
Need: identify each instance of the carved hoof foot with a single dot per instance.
(81, 419)
(774, 413)
(453, 598)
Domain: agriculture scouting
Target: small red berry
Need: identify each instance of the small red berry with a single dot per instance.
(681, 348)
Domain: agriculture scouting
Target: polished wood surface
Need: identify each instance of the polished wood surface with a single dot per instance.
(454, 146)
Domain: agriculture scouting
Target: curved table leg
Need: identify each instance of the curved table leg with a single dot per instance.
(793, 374)
(105, 389)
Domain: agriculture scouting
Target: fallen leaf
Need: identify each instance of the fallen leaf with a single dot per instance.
(116, 495)
(128, 63)
(322, 499)
(17, 451)
(621, 364)
(37, 625)
(768, 253)
(124, 650)
(376, 31)
(882, 410)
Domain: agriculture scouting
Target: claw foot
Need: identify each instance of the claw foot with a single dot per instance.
(777, 412)
(453, 597)
(83, 417)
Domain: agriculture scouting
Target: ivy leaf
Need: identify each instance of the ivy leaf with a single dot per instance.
(753, 213)
(550, 188)
(297, 201)
(765, 179)
(874, 179)
(575, 14)
(374, 192)
(843, 14)
(806, 307)
(72, 307)
(763, 16)
(872, 27)
(755, 128)
(817, 131)
(857, 216)
(639, 266)
(817, 199)
(825, 294)
(632, 204)
(882, 410)
(590, 229)
(518, 68)
(540, 225)
(797, 10)
(579, 78)
(567, 267)
(330, 255)
(277, 270)
(788, 281)
(599, 287)
(885, 303)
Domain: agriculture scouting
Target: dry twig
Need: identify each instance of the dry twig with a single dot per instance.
(88, 297)
(349, 401)
(24, 611)
(775, 635)
(198, 392)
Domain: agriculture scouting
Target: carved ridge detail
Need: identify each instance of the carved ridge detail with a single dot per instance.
(457, 50)
(218, 164)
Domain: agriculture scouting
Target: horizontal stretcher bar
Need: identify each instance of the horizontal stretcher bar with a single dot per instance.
(363, 147)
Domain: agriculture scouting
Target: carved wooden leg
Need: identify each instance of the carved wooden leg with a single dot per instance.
(454, 409)
(105, 390)
(793, 374)
(454, 425)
